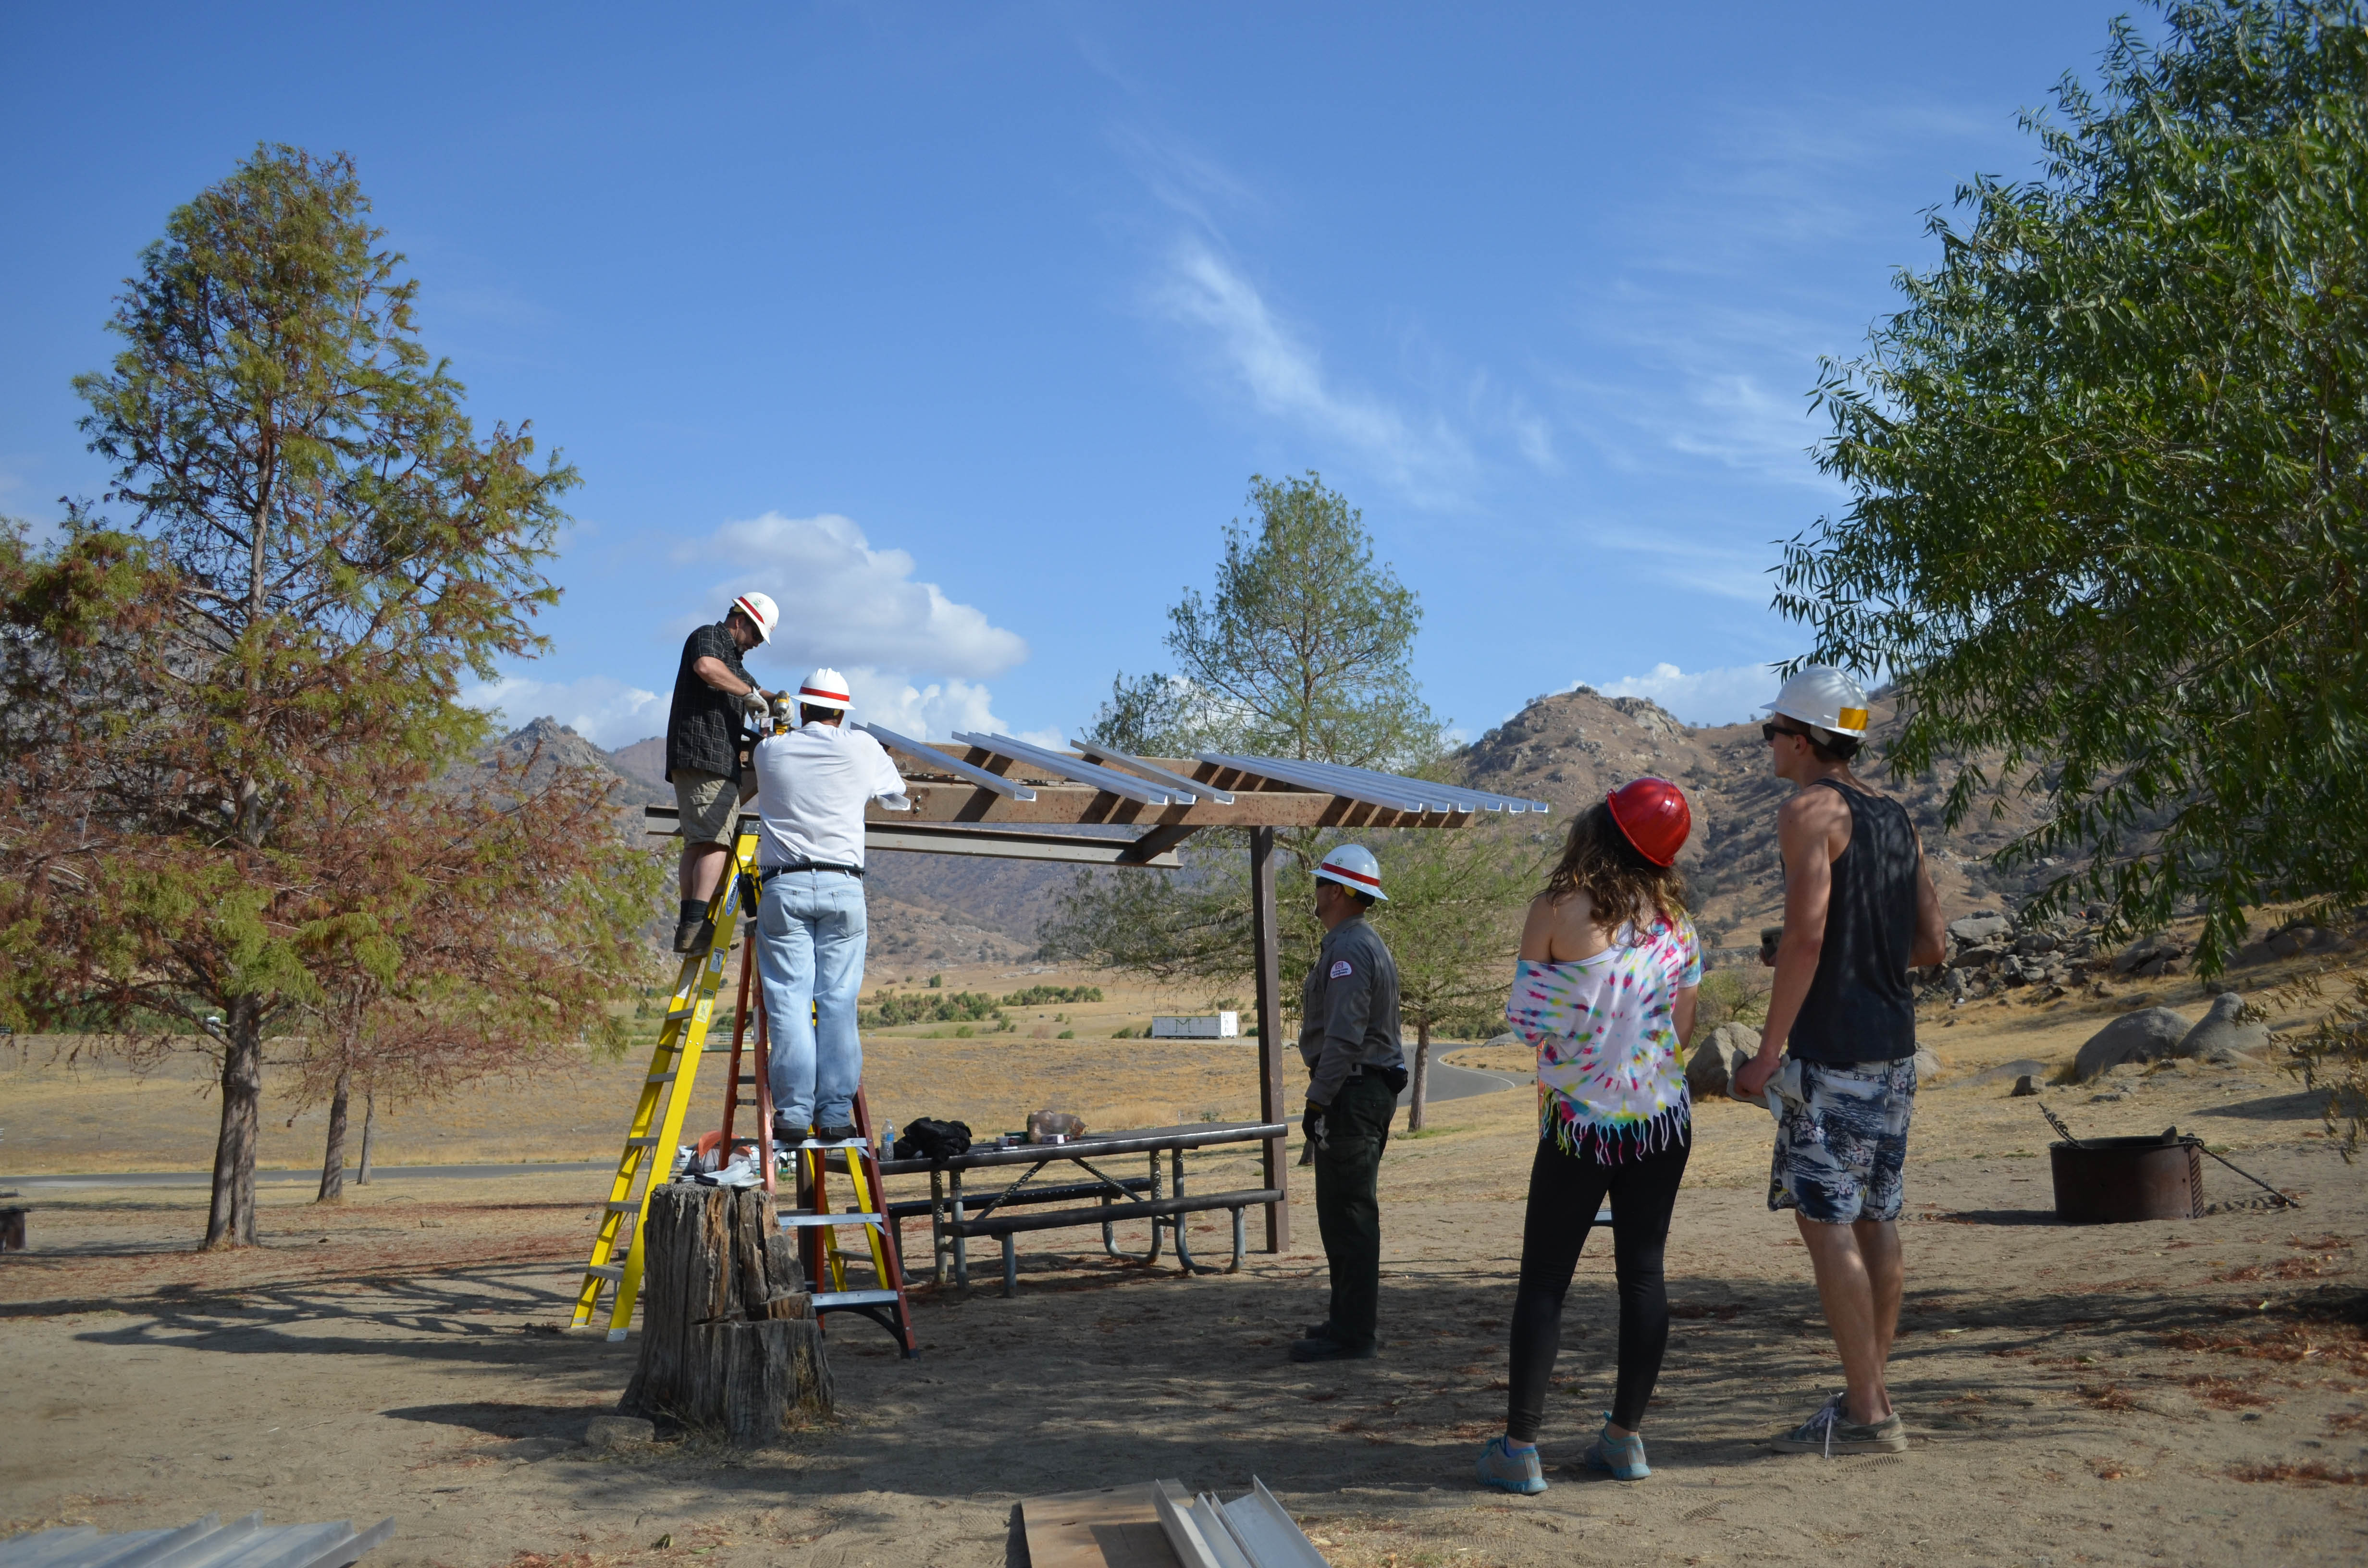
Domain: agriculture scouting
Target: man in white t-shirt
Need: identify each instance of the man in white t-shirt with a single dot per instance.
(813, 785)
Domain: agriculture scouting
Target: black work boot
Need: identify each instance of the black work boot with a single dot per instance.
(692, 934)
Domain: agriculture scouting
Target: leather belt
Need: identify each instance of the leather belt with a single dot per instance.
(855, 871)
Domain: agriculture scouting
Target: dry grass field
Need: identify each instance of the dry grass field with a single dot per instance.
(61, 1113)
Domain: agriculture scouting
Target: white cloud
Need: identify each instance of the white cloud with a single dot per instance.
(1285, 378)
(1727, 696)
(606, 712)
(845, 604)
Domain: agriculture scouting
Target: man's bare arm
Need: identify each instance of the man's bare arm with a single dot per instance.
(1804, 833)
(718, 673)
(1931, 937)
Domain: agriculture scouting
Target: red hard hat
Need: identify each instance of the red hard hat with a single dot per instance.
(1654, 814)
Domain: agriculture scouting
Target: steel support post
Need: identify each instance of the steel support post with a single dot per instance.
(1273, 1103)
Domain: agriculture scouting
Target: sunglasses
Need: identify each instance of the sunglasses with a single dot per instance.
(1772, 729)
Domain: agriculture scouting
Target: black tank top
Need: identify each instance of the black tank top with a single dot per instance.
(1858, 1007)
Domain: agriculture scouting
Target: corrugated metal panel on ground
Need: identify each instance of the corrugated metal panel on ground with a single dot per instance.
(209, 1543)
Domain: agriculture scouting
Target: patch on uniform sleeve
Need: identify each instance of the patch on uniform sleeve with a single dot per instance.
(1340, 969)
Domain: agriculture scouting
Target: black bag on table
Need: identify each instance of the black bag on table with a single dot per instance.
(928, 1140)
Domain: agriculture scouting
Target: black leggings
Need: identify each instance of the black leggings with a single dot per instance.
(1565, 1190)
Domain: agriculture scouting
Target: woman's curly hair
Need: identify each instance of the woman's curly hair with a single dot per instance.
(1624, 888)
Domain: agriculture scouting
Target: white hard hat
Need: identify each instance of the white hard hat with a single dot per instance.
(825, 688)
(1354, 868)
(1824, 697)
(760, 608)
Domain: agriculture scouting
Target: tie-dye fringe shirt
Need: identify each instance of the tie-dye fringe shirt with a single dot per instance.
(1611, 1078)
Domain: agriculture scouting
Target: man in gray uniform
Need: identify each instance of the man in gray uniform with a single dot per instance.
(1349, 1038)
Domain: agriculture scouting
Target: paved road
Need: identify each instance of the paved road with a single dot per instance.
(313, 1177)
(1462, 1083)
(1446, 1083)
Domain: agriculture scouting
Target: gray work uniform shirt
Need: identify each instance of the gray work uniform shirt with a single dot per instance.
(1349, 1010)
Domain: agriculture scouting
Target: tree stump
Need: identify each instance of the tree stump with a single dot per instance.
(729, 1339)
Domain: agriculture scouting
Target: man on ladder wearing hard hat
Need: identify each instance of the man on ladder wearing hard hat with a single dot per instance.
(1859, 913)
(813, 784)
(1349, 1038)
(702, 756)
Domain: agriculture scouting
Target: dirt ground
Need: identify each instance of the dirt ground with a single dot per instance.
(2191, 1391)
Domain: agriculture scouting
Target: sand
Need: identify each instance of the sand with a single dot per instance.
(2191, 1391)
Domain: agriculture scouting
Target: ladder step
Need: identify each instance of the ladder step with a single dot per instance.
(609, 1271)
(827, 1301)
(650, 1142)
(800, 1221)
(660, 1078)
(622, 1205)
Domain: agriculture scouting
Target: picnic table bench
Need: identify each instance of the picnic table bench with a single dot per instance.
(957, 1214)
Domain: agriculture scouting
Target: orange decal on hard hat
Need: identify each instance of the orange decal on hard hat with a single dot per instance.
(1853, 718)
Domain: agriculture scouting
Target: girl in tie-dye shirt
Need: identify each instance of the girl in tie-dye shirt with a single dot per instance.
(1605, 992)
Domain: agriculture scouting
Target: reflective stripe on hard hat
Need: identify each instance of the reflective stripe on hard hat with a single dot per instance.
(825, 688)
(761, 612)
(1822, 696)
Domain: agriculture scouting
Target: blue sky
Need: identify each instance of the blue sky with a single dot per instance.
(962, 328)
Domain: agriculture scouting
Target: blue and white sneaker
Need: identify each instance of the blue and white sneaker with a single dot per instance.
(1507, 1471)
(1623, 1458)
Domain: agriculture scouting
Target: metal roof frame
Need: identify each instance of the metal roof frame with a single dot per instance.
(1370, 787)
(1120, 784)
(960, 769)
(1153, 771)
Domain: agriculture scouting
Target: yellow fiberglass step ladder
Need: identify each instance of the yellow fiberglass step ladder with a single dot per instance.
(649, 1153)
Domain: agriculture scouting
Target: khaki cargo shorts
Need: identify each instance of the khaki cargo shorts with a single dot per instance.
(709, 806)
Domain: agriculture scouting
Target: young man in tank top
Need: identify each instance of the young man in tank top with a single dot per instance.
(1859, 913)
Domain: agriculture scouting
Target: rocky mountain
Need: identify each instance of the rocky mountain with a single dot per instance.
(1573, 748)
(644, 760)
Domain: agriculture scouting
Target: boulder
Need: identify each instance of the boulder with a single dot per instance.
(1980, 955)
(1706, 1073)
(1742, 1042)
(1928, 1066)
(2224, 1034)
(2146, 952)
(1712, 1067)
(1979, 928)
(2035, 942)
(2150, 1034)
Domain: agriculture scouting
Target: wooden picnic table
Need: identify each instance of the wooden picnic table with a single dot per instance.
(957, 1213)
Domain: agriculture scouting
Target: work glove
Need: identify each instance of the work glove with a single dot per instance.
(1311, 1124)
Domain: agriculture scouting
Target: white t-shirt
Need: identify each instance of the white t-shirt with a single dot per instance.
(811, 786)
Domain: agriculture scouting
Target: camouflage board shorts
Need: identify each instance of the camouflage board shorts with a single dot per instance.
(1841, 1148)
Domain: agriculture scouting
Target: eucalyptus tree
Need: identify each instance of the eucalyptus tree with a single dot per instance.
(2107, 469)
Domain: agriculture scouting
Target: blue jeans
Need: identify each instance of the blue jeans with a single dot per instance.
(810, 937)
